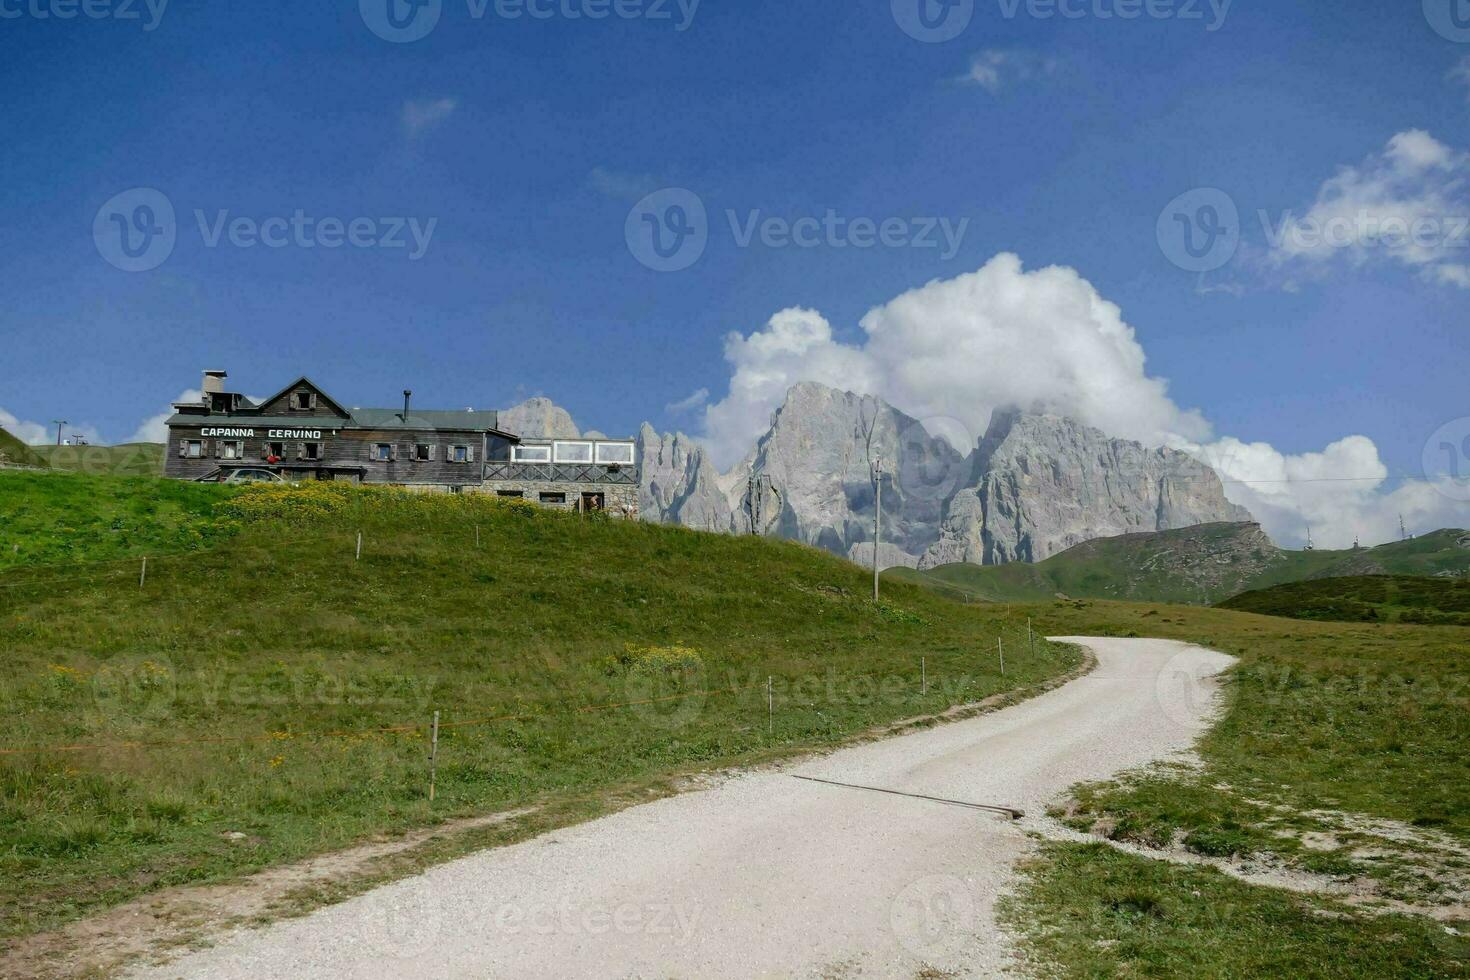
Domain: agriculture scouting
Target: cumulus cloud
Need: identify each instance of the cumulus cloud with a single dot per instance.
(30, 433)
(1342, 492)
(40, 434)
(622, 186)
(1044, 340)
(994, 69)
(1409, 203)
(1461, 74)
(153, 428)
(420, 116)
(684, 406)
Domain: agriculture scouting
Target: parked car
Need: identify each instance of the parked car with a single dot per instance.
(252, 476)
(241, 476)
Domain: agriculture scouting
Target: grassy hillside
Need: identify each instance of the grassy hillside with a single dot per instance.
(129, 459)
(1197, 565)
(265, 695)
(60, 517)
(12, 450)
(1364, 599)
(1341, 753)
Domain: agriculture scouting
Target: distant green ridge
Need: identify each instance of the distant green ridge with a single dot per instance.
(1436, 601)
(1200, 565)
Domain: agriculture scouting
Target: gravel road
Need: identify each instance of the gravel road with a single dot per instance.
(765, 874)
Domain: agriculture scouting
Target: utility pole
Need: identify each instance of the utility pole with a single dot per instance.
(1403, 531)
(877, 519)
(60, 424)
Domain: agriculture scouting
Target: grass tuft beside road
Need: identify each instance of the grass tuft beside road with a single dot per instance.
(1090, 911)
(1341, 754)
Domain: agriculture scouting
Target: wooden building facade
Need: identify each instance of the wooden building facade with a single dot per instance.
(302, 433)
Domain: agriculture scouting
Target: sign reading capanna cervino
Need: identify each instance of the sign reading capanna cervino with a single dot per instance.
(228, 433)
(294, 434)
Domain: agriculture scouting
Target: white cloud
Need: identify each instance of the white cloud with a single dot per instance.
(1409, 203)
(621, 186)
(1042, 340)
(1339, 492)
(954, 350)
(995, 69)
(41, 434)
(420, 116)
(30, 433)
(1453, 275)
(683, 406)
(153, 428)
(1461, 73)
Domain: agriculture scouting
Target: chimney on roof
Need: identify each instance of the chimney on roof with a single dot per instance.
(214, 382)
(407, 396)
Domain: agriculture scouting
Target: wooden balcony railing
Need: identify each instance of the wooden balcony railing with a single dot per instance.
(561, 473)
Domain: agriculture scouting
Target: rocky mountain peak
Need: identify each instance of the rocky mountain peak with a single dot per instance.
(680, 483)
(1045, 483)
(539, 418)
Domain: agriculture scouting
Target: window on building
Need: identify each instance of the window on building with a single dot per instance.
(459, 454)
(456, 489)
(382, 452)
(530, 454)
(615, 453)
(275, 450)
(518, 494)
(423, 452)
(194, 448)
(301, 401)
(574, 452)
(232, 450)
(553, 498)
(311, 450)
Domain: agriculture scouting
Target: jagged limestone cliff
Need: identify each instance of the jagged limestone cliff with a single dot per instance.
(1043, 483)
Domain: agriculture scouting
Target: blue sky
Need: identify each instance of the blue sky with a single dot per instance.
(527, 141)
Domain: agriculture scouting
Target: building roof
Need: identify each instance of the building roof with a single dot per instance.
(360, 418)
(392, 418)
(381, 419)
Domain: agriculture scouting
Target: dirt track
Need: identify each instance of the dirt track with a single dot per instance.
(766, 874)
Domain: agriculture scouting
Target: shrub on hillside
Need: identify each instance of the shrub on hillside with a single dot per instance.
(324, 502)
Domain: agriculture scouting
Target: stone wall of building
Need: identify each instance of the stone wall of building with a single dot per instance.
(619, 499)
